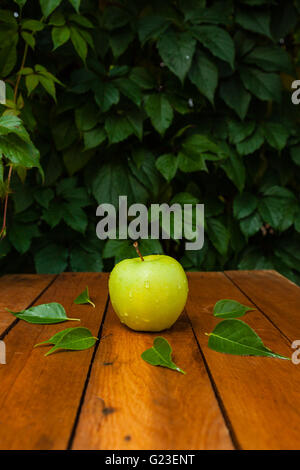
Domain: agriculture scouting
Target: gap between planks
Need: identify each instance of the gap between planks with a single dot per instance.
(99, 336)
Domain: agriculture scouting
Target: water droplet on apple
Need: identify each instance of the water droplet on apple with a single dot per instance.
(125, 314)
(147, 284)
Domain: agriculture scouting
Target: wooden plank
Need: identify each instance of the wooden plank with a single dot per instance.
(260, 395)
(275, 295)
(40, 396)
(130, 404)
(18, 291)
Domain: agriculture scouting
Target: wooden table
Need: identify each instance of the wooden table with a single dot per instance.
(107, 397)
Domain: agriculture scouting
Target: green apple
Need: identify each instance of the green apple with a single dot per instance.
(148, 294)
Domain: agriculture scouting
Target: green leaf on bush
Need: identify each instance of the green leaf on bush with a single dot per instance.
(167, 165)
(218, 235)
(204, 74)
(270, 59)
(235, 95)
(266, 86)
(78, 42)
(217, 40)
(44, 314)
(227, 308)
(244, 204)
(151, 27)
(295, 154)
(236, 337)
(177, 50)
(255, 21)
(48, 6)
(74, 339)
(160, 354)
(276, 134)
(51, 259)
(94, 137)
(251, 224)
(84, 298)
(160, 112)
(251, 143)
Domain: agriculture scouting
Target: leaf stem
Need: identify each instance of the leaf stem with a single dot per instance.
(74, 319)
(3, 228)
(136, 246)
(19, 75)
(92, 303)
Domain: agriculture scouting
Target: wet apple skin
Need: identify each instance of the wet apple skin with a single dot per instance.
(148, 295)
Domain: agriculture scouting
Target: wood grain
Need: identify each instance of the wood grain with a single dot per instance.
(260, 395)
(130, 404)
(18, 291)
(40, 396)
(275, 295)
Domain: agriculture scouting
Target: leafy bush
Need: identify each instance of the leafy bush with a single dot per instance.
(174, 100)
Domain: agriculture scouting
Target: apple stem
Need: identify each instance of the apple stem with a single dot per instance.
(136, 246)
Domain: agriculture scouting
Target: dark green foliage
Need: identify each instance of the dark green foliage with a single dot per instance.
(165, 101)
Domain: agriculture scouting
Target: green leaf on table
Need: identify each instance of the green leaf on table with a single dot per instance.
(177, 50)
(84, 298)
(160, 354)
(227, 308)
(75, 339)
(44, 314)
(236, 337)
